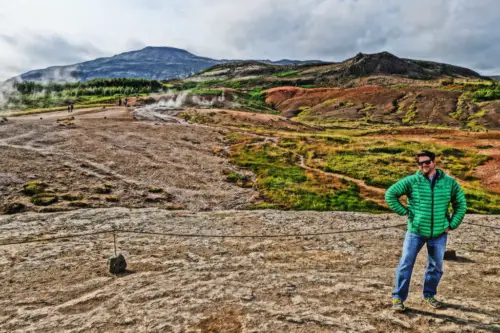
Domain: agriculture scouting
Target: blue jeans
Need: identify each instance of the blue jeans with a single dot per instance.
(435, 254)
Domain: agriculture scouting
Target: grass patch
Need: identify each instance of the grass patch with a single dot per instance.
(207, 92)
(264, 205)
(197, 117)
(71, 196)
(238, 178)
(377, 161)
(44, 199)
(79, 203)
(482, 95)
(52, 109)
(381, 163)
(481, 201)
(155, 189)
(410, 115)
(35, 187)
(287, 74)
(285, 184)
(255, 101)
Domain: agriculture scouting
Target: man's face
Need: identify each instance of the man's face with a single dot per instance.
(426, 164)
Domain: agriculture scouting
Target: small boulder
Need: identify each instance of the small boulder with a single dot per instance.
(117, 265)
(105, 188)
(450, 255)
(14, 208)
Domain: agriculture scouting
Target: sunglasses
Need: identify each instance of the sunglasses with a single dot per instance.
(426, 162)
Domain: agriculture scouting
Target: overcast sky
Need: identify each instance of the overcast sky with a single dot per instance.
(36, 34)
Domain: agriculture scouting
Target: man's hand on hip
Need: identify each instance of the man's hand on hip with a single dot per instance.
(447, 230)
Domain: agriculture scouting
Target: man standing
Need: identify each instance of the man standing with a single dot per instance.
(430, 192)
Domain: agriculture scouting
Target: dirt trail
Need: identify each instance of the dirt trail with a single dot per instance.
(339, 283)
(112, 112)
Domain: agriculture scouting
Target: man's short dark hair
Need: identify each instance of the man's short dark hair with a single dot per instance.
(427, 153)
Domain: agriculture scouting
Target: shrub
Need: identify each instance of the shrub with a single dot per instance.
(447, 82)
(386, 150)
(235, 177)
(235, 84)
(44, 199)
(453, 152)
(485, 95)
(35, 187)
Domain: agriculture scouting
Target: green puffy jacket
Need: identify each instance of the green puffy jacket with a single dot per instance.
(427, 210)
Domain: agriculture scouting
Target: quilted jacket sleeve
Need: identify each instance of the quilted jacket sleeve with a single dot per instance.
(394, 192)
(459, 205)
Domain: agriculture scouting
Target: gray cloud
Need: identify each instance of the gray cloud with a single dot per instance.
(457, 31)
(8, 39)
(453, 31)
(59, 50)
(39, 51)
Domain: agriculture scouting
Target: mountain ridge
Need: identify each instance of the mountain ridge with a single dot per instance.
(164, 62)
(329, 74)
(151, 62)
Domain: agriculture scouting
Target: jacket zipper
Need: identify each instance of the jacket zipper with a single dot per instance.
(432, 211)
(433, 184)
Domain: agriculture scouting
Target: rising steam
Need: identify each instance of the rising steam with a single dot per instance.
(171, 104)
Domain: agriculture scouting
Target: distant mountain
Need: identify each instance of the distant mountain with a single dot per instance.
(495, 77)
(386, 63)
(361, 66)
(158, 63)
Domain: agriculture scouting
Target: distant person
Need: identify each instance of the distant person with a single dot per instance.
(119, 102)
(430, 192)
(69, 108)
(125, 101)
(72, 106)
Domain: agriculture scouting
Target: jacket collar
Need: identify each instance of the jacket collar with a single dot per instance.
(440, 174)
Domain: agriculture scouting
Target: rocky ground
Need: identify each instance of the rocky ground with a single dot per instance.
(76, 155)
(330, 283)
